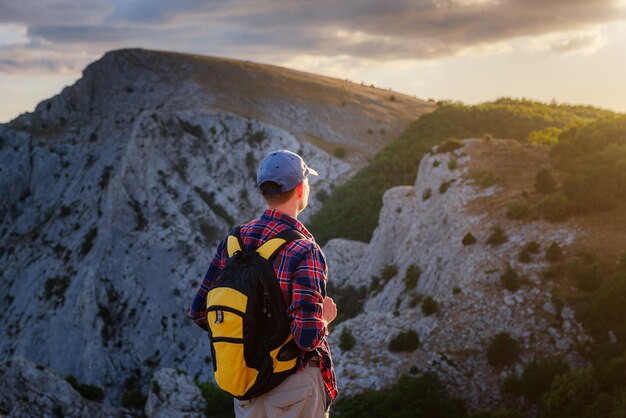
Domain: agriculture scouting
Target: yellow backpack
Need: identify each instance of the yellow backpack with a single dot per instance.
(251, 342)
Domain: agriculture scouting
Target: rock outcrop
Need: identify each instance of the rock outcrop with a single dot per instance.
(34, 391)
(421, 229)
(114, 194)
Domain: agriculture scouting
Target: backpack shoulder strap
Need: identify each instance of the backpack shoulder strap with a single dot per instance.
(233, 242)
(270, 248)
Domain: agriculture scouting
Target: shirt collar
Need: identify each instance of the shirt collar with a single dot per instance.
(278, 216)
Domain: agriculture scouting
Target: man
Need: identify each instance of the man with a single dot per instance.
(300, 266)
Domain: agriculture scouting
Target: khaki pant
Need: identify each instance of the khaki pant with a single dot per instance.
(301, 395)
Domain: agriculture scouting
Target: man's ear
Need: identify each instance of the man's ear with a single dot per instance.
(300, 190)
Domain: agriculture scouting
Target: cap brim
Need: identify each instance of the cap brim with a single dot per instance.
(310, 171)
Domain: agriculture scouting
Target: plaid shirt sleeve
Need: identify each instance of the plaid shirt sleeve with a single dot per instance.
(197, 312)
(307, 295)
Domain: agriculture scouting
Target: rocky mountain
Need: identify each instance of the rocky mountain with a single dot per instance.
(114, 193)
(419, 251)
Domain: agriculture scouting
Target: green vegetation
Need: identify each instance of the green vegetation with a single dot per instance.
(91, 392)
(410, 396)
(209, 199)
(352, 210)
(133, 399)
(56, 287)
(87, 243)
(388, 272)
(593, 159)
(340, 152)
(503, 350)
(554, 252)
(429, 306)
(411, 277)
(586, 271)
(219, 404)
(497, 237)
(483, 179)
(404, 341)
(105, 176)
(536, 378)
(444, 186)
(544, 182)
(346, 340)
(554, 207)
(468, 239)
(517, 210)
(349, 300)
(510, 279)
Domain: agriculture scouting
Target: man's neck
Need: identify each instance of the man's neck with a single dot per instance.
(287, 208)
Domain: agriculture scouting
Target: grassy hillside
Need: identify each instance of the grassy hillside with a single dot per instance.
(352, 209)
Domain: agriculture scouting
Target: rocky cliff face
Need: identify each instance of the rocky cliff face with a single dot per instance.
(423, 226)
(114, 194)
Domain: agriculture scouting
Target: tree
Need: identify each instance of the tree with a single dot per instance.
(503, 350)
(346, 339)
(544, 182)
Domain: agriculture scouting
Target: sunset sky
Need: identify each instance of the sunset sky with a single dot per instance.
(571, 51)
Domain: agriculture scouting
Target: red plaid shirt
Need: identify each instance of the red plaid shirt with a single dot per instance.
(301, 271)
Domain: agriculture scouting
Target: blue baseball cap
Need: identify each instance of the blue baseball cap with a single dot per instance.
(285, 168)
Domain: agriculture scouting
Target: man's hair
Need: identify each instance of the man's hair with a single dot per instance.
(272, 195)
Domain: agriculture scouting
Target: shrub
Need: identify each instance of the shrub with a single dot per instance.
(133, 399)
(91, 392)
(554, 207)
(497, 413)
(411, 277)
(219, 404)
(346, 340)
(544, 182)
(208, 230)
(537, 378)
(497, 236)
(444, 186)
(524, 256)
(56, 287)
(503, 350)
(468, 239)
(517, 210)
(65, 211)
(510, 279)
(554, 252)
(349, 300)
(410, 396)
(388, 272)
(87, 243)
(340, 152)
(570, 395)
(105, 176)
(404, 341)
(321, 195)
(586, 271)
(449, 146)
(375, 285)
(483, 179)
(429, 306)
(532, 247)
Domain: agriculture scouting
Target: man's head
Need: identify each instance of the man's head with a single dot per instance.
(282, 177)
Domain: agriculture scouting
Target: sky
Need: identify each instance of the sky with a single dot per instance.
(571, 51)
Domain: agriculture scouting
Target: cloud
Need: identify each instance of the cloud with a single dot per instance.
(254, 29)
(567, 43)
(584, 43)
